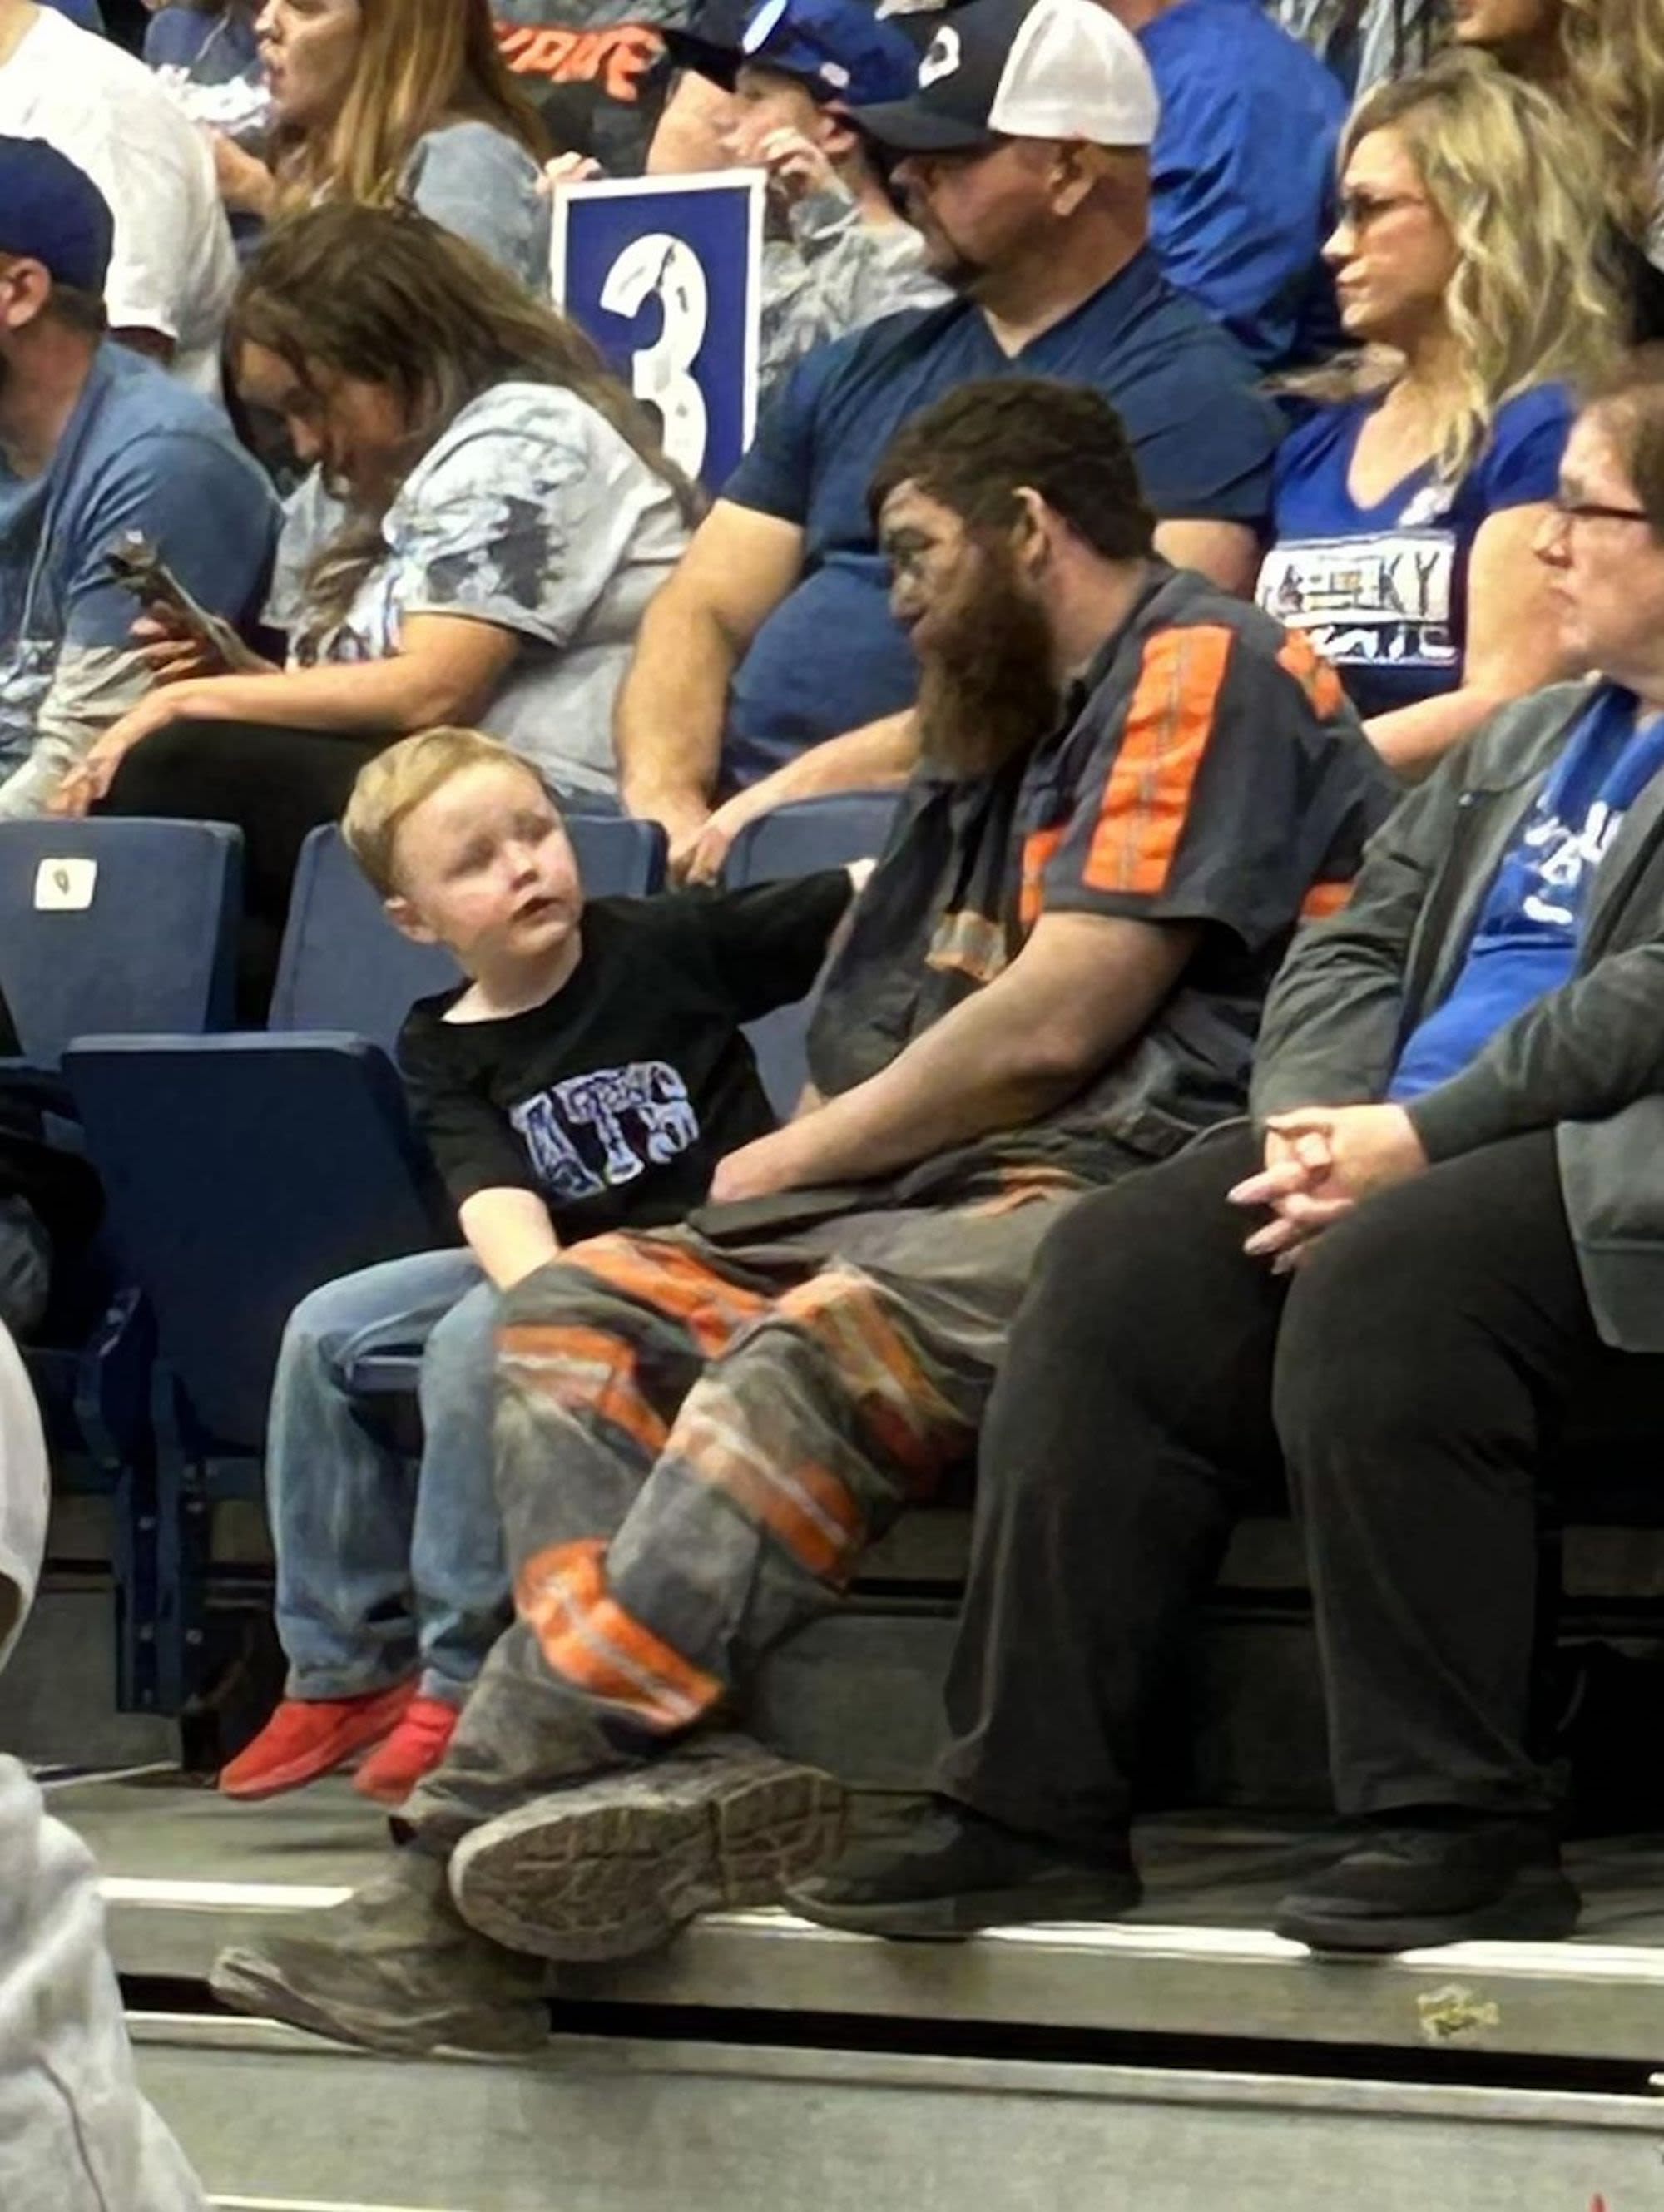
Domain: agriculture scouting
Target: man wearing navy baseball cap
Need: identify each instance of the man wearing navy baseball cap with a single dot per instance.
(1023, 151)
(96, 443)
(837, 254)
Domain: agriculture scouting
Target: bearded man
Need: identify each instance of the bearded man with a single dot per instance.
(1132, 787)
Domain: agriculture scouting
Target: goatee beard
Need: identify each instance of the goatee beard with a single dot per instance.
(986, 693)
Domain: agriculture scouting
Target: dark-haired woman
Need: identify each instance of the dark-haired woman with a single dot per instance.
(509, 514)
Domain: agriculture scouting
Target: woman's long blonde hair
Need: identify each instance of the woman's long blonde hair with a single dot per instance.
(384, 295)
(1608, 71)
(1533, 299)
(421, 62)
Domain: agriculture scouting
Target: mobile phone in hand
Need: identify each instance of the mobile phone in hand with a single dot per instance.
(138, 568)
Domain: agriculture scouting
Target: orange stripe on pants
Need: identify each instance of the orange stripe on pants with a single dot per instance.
(813, 1514)
(672, 1281)
(896, 1400)
(584, 1370)
(1165, 739)
(588, 1639)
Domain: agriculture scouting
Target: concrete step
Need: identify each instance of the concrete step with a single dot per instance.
(277, 2124)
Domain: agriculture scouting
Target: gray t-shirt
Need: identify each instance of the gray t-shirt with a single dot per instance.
(476, 180)
(531, 513)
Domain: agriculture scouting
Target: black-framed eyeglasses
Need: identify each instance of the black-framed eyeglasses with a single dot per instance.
(1593, 510)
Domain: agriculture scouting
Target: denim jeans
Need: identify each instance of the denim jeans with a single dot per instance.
(379, 1571)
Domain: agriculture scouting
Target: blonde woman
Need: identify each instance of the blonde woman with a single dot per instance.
(1469, 258)
(387, 101)
(1603, 62)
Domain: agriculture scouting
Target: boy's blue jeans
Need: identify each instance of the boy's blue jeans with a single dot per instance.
(382, 1568)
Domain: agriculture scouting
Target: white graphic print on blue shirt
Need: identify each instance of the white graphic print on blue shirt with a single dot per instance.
(1525, 943)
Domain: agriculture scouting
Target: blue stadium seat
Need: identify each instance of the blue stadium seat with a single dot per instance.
(117, 925)
(241, 1172)
(345, 967)
(798, 840)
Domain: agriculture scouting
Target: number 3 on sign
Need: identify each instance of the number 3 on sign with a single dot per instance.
(658, 266)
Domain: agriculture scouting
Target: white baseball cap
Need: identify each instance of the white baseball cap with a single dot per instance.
(1022, 69)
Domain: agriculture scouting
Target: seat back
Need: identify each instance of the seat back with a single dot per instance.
(345, 967)
(242, 1172)
(799, 841)
(117, 925)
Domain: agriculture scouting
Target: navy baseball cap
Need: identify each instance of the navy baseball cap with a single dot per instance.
(1021, 69)
(53, 213)
(838, 48)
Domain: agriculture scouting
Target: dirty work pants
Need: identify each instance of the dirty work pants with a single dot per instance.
(695, 1443)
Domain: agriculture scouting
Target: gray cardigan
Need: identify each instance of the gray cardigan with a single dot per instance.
(1587, 1061)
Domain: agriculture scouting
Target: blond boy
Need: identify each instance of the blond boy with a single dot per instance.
(586, 1075)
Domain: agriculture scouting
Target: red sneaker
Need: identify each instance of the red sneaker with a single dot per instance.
(415, 1746)
(309, 1736)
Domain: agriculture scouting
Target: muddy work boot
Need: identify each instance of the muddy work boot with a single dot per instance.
(392, 1969)
(612, 1868)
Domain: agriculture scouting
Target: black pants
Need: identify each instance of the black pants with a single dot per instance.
(1410, 1381)
(276, 785)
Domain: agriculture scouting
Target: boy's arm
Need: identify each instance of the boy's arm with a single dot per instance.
(770, 942)
(509, 1233)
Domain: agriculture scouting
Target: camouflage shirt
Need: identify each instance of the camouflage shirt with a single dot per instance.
(834, 273)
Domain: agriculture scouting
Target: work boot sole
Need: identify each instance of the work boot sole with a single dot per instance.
(955, 1919)
(1541, 1906)
(294, 1990)
(615, 1868)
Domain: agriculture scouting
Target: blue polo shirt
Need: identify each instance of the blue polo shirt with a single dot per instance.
(1381, 591)
(829, 658)
(1244, 174)
(1526, 941)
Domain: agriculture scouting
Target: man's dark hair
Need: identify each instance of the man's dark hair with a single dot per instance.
(976, 449)
(79, 311)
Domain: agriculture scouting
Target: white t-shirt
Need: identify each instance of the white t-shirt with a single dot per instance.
(75, 2135)
(173, 268)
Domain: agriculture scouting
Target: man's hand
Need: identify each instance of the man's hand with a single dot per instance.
(681, 813)
(701, 859)
(777, 1162)
(246, 185)
(567, 169)
(796, 166)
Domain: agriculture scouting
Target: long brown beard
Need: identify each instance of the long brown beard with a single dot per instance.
(985, 689)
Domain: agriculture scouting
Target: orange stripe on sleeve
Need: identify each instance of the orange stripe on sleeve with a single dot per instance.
(1165, 739)
(1037, 850)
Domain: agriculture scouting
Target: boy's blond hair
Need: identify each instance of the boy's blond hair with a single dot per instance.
(391, 787)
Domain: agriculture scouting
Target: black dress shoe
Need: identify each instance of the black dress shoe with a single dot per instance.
(949, 1871)
(1441, 1877)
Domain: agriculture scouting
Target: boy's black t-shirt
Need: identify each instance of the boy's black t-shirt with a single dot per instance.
(615, 1099)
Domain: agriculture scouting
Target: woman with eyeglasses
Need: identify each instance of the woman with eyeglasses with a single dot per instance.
(1602, 61)
(1470, 266)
